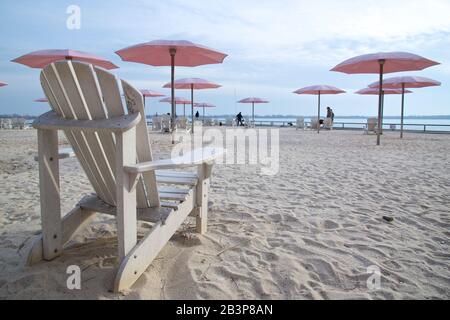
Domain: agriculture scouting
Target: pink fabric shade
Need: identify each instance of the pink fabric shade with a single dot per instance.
(151, 94)
(319, 89)
(204, 105)
(178, 100)
(193, 83)
(253, 100)
(394, 62)
(2, 84)
(40, 59)
(41, 100)
(407, 82)
(156, 53)
(376, 91)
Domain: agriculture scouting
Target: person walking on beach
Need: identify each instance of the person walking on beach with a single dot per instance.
(330, 114)
(197, 115)
(239, 119)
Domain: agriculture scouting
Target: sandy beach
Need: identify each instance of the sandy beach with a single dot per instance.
(309, 232)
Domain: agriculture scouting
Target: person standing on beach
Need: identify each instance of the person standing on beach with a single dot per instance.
(197, 115)
(239, 119)
(330, 114)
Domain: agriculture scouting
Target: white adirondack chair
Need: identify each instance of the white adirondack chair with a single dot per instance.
(165, 123)
(229, 122)
(314, 123)
(371, 126)
(114, 150)
(328, 124)
(156, 124)
(183, 124)
(300, 123)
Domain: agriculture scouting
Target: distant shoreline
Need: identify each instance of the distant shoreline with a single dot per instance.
(434, 117)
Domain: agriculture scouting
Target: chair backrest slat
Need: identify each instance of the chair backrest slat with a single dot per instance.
(79, 139)
(80, 91)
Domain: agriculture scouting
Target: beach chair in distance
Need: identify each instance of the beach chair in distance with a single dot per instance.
(314, 124)
(113, 148)
(328, 124)
(183, 124)
(300, 123)
(165, 123)
(371, 126)
(229, 122)
(156, 124)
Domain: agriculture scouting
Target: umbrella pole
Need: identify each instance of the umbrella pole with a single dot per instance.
(318, 115)
(184, 110)
(253, 114)
(380, 103)
(203, 114)
(403, 110)
(173, 51)
(382, 112)
(192, 106)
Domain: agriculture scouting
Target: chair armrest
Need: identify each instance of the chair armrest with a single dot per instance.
(64, 153)
(191, 159)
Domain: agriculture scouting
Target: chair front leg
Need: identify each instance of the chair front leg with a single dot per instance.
(204, 178)
(126, 193)
(52, 233)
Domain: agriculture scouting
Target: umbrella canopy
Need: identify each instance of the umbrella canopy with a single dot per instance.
(393, 62)
(407, 82)
(178, 100)
(42, 58)
(375, 91)
(381, 63)
(253, 101)
(157, 53)
(2, 84)
(402, 83)
(204, 105)
(193, 84)
(171, 53)
(151, 94)
(319, 90)
(41, 100)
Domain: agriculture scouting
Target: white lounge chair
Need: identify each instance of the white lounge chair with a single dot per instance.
(165, 123)
(156, 124)
(208, 122)
(371, 126)
(183, 124)
(300, 123)
(328, 124)
(114, 150)
(314, 124)
(229, 122)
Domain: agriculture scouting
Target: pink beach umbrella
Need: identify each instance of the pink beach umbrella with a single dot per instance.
(41, 100)
(381, 63)
(171, 53)
(146, 93)
(253, 101)
(204, 106)
(42, 58)
(191, 84)
(376, 92)
(403, 83)
(2, 84)
(319, 90)
(178, 101)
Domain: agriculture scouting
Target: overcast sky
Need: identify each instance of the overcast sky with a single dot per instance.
(274, 48)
